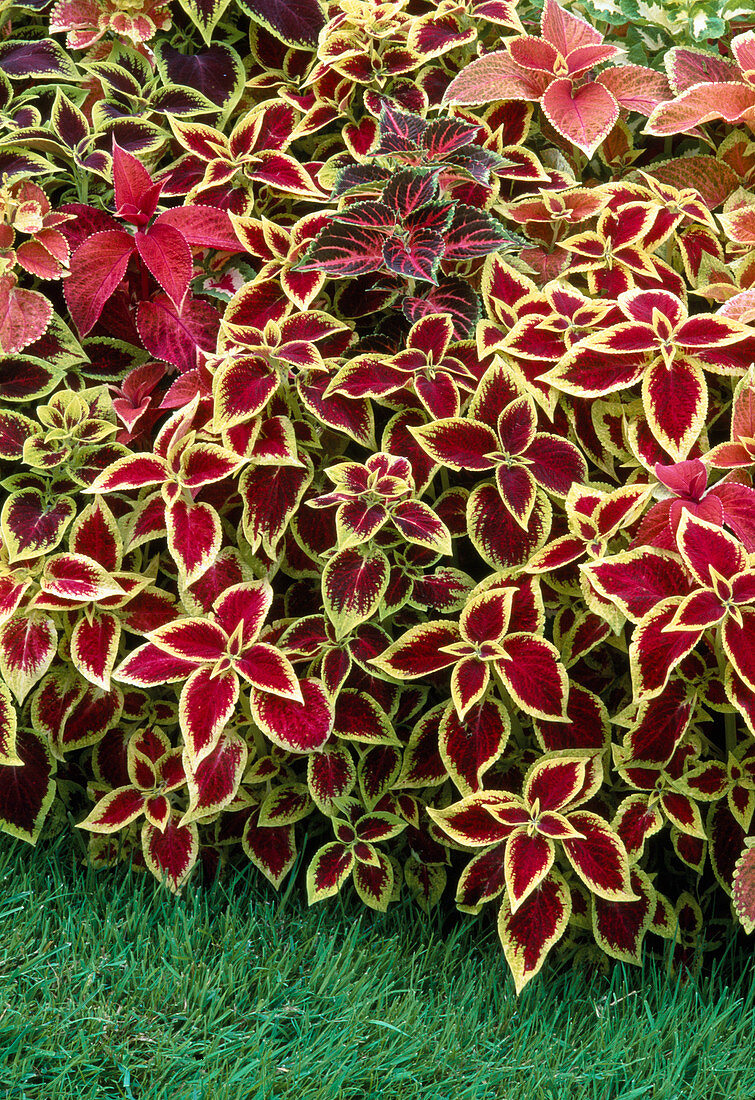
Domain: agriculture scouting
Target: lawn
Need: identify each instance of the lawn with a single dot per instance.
(111, 987)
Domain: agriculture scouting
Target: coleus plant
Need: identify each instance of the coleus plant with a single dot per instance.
(553, 69)
(375, 472)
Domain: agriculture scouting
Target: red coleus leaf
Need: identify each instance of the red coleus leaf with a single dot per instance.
(301, 727)
(527, 861)
(587, 726)
(634, 822)
(245, 607)
(416, 257)
(149, 666)
(242, 389)
(33, 524)
(178, 334)
(331, 774)
(194, 537)
(194, 640)
(272, 849)
(28, 788)
(655, 650)
(131, 472)
(706, 549)
(206, 226)
(374, 884)
(377, 772)
(457, 443)
(498, 535)
(171, 854)
(555, 782)
(8, 728)
(533, 675)
(115, 810)
(94, 646)
(469, 747)
(637, 580)
(87, 720)
(472, 822)
(27, 649)
(207, 703)
(599, 857)
(268, 670)
(620, 927)
(359, 718)
(739, 644)
(341, 250)
(419, 524)
(285, 805)
(418, 652)
(481, 880)
(495, 76)
(331, 865)
(213, 782)
(95, 534)
(700, 103)
(77, 577)
(353, 584)
(528, 935)
(136, 195)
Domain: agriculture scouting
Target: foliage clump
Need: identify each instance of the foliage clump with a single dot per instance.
(377, 424)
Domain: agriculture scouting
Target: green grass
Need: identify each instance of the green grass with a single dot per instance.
(109, 987)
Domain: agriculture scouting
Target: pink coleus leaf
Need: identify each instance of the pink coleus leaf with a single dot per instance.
(167, 255)
(24, 315)
(495, 76)
(701, 103)
(585, 116)
(97, 267)
(135, 194)
(635, 87)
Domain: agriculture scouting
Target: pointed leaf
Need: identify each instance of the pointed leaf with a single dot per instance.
(206, 705)
(298, 727)
(172, 854)
(528, 935)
